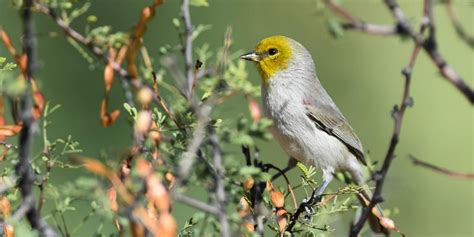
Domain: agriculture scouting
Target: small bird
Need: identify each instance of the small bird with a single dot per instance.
(306, 122)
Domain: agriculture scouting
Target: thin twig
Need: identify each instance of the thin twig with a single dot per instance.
(453, 17)
(196, 203)
(356, 24)
(441, 170)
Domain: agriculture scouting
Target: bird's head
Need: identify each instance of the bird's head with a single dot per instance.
(271, 55)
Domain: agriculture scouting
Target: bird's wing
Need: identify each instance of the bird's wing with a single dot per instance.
(329, 119)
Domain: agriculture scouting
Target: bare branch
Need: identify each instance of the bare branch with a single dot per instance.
(356, 24)
(453, 17)
(441, 170)
(196, 203)
(403, 28)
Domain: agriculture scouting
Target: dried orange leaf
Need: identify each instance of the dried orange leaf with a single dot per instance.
(8, 42)
(248, 183)
(9, 130)
(9, 231)
(6, 207)
(94, 166)
(143, 167)
(278, 199)
(108, 77)
(112, 197)
(167, 226)
(282, 219)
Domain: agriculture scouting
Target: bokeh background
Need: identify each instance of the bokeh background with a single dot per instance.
(361, 73)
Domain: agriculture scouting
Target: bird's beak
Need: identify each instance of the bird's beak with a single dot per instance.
(251, 57)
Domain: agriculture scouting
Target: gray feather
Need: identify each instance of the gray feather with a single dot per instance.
(329, 119)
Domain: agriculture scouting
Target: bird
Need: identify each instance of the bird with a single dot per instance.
(306, 122)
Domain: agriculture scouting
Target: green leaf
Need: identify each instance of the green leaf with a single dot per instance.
(199, 3)
(249, 171)
(335, 28)
(92, 18)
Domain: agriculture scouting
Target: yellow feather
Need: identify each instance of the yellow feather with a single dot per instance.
(270, 64)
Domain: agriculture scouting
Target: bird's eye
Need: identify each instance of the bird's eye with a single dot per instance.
(272, 51)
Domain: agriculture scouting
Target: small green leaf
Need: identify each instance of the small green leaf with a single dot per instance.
(335, 28)
(249, 171)
(92, 18)
(199, 3)
(176, 22)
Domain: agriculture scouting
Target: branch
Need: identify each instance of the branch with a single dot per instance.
(440, 170)
(403, 28)
(430, 47)
(220, 188)
(356, 24)
(97, 51)
(196, 203)
(23, 168)
(305, 204)
(397, 115)
(469, 39)
(187, 45)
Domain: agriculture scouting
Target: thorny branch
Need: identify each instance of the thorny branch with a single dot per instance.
(23, 169)
(441, 170)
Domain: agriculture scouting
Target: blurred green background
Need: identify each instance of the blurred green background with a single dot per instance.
(361, 73)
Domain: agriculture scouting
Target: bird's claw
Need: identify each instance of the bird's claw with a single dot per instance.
(308, 211)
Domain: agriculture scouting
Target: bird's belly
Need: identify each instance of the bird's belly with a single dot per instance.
(302, 140)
